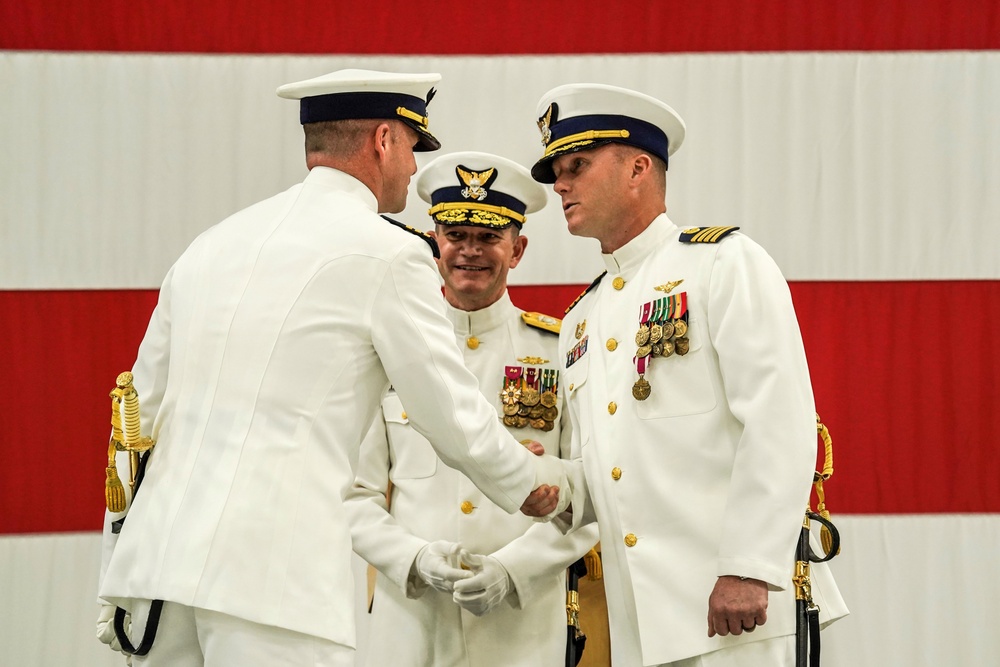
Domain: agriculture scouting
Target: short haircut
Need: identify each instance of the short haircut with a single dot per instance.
(338, 138)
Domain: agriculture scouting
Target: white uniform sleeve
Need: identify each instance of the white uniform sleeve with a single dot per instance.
(543, 549)
(376, 535)
(150, 382)
(766, 379)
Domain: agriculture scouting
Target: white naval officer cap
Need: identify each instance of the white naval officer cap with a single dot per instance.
(581, 116)
(479, 189)
(360, 93)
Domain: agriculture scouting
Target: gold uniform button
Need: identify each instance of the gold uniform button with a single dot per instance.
(612, 407)
(467, 507)
(472, 342)
(616, 473)
(403, 416)
(630, 540)
(612, 344)
(571, 385)
(618, 282)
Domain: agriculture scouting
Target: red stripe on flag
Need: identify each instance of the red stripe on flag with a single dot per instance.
(502, 27)
(910, 400)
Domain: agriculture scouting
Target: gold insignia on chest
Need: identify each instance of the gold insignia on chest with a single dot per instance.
(534, 361)
(668, 287)
(580, 328)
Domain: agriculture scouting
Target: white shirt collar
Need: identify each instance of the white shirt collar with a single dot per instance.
(477, 322)
(626, 259)
(338, 180)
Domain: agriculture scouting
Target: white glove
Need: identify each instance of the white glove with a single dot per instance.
(437, 563)
(484, 590)
(551, 470)
(106, 629)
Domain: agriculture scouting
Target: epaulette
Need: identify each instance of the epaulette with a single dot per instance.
(594, 284)
(543, 322)
(416, 232)
(705, 234)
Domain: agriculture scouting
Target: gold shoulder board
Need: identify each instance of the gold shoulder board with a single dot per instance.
(592, 285)
(705, 234)
(416, 232)
(542, 321)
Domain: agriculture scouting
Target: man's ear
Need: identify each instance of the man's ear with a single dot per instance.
(520, 243)
(383, 140)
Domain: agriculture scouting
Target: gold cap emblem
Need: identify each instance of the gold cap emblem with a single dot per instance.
(545, 123)
(476, 182)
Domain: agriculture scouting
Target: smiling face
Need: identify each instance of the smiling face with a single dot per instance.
(475, 261)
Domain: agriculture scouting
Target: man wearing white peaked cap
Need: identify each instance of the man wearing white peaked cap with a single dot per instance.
(509, 609)
(690, 399)
(276, 334)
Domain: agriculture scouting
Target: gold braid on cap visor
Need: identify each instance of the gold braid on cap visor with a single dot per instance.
(423, 121)
(454, 213)
(583, 138)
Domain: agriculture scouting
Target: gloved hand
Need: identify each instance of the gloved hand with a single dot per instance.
(486, 588)
(106, 629)
(437, 563)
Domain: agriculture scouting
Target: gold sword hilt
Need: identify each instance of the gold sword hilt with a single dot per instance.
(128, 439)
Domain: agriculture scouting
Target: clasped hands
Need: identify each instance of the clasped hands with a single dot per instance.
(544, 502)
(476, 583)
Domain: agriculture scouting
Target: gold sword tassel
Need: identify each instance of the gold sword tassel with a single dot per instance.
(114, 492)
(818, 478)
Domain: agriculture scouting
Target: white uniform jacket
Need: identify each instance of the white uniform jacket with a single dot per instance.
(710, 475)
(276, 335)
(431, 502)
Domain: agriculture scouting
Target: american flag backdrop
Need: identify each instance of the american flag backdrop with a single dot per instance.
(857, 141)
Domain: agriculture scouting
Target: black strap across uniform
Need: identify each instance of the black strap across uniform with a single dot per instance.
(153, 620)
(807, 614)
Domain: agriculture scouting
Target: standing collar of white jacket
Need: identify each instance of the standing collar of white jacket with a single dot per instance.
(477, 322)
(627, 259)
(334, 179)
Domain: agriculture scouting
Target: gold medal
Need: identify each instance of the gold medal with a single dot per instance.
(644, 351)
(510, 395)
(537, 423)
(668, 329)
(658, 349)
(510, 420)
(642, 335)
(641, 389)
(523, 410)
(521, 421)
(550, 414)
(656, 333)
(668, 347)
(680, 328)
(683, 345)
(530, 397)
(510, 408)
(536, 411)
(548, 399)
(547, 426)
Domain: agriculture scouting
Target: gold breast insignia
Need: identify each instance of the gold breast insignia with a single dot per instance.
(668, 287)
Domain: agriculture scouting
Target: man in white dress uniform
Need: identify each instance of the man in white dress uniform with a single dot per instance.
(276, 334)
(687, 386)
(508, 609)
